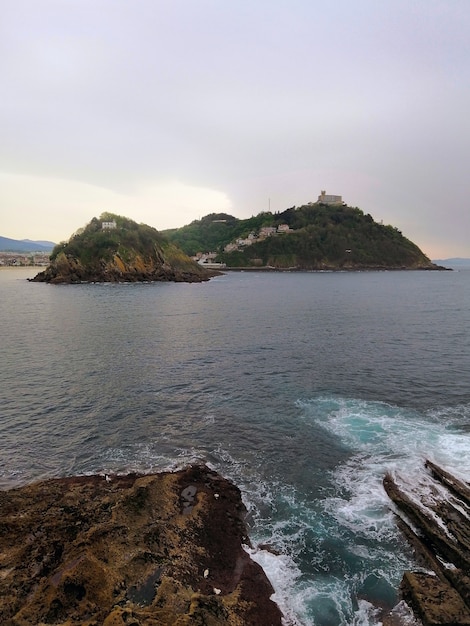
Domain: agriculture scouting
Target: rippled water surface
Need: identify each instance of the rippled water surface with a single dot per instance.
(303, 388)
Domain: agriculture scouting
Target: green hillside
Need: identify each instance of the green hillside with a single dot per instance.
(320, 236)
(214, 231)
(92, 243)
(113, 248)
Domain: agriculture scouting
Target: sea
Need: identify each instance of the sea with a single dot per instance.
(303, 388)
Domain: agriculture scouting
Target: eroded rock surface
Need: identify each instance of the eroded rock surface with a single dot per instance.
(130, 550)
(69, 270)
(435, 518)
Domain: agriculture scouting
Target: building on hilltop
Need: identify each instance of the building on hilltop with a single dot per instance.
(108, 225)
(324, 198)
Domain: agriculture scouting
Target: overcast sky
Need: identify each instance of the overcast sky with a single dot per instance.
(165, 111)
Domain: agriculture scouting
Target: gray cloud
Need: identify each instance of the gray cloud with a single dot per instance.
(264, 102)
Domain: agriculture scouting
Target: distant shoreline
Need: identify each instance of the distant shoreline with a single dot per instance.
(438, 268)
(19, 267)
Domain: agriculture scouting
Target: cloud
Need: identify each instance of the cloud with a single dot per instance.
(67, 205)
(264, 103)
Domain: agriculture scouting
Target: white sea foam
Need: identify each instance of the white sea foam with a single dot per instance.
(282, 573)
(209, 418)
(369, 615)
(284, 534)
(381, 438)
(366, 614)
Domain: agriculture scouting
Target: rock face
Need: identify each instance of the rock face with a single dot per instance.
(437, 524)
(69, 269)
(153, 549)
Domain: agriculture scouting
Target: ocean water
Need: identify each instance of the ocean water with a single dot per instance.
(303, 388)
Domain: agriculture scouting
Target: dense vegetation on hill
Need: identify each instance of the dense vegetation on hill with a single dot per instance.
(126, 251)
(93, 243)
(216, 230)
(321, 237)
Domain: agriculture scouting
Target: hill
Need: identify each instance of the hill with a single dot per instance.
(311, 237)
(112, 248)
(25, 245)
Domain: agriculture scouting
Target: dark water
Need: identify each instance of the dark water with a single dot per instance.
(302, 388)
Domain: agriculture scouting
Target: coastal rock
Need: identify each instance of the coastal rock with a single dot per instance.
(69, 270)
(435, 519)
(136, 549)
(116, 249)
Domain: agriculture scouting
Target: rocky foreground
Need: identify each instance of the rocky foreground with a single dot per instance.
(130, 550)
(435, 518)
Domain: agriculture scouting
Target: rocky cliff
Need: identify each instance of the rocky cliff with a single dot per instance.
(122, 252)
(435, 518)
(138, 549)
(70, 269)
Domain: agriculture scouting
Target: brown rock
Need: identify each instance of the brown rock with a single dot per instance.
(70, 270)
(433, 601)
(437, 525)
(130, 550)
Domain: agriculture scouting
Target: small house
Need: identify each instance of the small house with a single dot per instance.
(109, 225)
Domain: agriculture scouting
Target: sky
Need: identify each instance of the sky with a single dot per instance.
(167, 110)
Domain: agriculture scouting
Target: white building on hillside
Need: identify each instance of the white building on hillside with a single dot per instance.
(108, 225)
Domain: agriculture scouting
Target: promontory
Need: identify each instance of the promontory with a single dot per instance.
(113, 248)
(323, 235)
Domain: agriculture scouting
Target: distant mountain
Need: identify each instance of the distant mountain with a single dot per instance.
(46, 244)
(457, 262)
(315, 236)
(25, 245)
